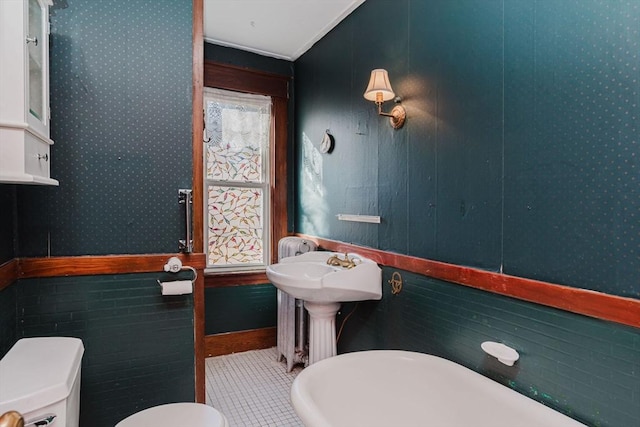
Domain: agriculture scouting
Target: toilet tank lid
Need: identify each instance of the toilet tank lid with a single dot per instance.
(38, 372)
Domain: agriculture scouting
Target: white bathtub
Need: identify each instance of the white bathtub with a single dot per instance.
(399, 388)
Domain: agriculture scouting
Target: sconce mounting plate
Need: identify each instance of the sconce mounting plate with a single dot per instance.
(397, 117)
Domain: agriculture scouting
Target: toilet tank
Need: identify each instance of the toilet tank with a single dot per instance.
(40, 378)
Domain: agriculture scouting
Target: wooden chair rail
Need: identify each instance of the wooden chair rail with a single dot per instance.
(581, 301)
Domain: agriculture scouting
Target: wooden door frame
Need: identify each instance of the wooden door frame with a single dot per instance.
(197, 132)
(228, 77)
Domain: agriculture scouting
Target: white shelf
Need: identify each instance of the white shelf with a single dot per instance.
(27, 179)
(359, 218)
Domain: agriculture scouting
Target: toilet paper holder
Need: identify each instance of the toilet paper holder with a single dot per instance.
(174, 265)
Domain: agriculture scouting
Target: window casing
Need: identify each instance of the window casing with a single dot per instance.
(276, 86)
(238, 136)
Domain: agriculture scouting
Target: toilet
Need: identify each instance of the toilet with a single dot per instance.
(41, 380)
(176, 414)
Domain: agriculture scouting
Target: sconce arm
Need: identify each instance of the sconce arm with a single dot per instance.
(397, 116)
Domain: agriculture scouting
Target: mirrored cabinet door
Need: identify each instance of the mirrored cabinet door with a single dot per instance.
(35, 51)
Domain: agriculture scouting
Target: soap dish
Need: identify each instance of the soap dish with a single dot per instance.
(503, 353)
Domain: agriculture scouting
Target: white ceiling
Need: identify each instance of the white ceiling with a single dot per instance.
(282, 29)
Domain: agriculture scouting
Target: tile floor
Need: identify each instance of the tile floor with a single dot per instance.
(251, 389)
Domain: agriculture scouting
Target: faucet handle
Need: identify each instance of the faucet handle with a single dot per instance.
(349, 262)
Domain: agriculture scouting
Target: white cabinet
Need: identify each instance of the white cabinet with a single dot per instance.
(24, 92)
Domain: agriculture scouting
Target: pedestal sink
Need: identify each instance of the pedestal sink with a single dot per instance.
(323, 287)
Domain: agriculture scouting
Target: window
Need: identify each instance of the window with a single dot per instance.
(237, 180)
(275, 223)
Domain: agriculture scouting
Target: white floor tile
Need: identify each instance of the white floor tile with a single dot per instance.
(251, 389)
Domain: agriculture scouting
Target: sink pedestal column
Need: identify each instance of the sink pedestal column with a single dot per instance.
(322, 330)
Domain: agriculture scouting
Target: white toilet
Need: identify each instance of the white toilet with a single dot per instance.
(176, 414)
(40, 378)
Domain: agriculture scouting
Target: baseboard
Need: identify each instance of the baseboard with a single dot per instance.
(235, 342)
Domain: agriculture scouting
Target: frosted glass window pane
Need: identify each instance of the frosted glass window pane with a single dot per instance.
(237, 129)
(235, 228)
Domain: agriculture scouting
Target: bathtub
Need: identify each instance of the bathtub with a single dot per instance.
(401, 388)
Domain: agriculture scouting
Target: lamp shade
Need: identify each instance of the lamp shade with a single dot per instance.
(379, 83)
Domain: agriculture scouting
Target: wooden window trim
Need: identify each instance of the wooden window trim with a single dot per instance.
(229, 77)
(247, 80)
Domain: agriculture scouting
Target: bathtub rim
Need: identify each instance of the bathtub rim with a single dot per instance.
(313, 415)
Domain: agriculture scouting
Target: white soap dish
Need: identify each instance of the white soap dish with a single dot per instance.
(503, 353)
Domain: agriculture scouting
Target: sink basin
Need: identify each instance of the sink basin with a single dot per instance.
(308, 277)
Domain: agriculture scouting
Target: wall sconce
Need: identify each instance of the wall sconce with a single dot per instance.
(379, 91)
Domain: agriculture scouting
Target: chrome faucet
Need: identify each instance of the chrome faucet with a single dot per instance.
(346, 262)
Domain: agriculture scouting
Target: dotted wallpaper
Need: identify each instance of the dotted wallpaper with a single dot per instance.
(572, 109)
(520, 151)
(121, 123)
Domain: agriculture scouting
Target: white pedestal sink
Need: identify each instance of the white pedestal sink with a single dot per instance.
(323, 287)
(322, 330)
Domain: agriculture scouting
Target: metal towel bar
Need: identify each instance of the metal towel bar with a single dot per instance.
(185, 197)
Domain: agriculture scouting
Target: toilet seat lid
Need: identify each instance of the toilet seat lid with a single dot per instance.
(176, 414)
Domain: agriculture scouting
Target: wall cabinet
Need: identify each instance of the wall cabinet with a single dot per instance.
(24, 92)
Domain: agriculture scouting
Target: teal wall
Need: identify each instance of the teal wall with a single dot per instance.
(520, 152)
(7, 222)
(7, 253)
(138, 344)
(121, 120)
(520, 155)
(121, 123)
(8, 318)
(239, 308)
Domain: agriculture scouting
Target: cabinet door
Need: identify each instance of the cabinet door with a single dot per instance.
(37, 40)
